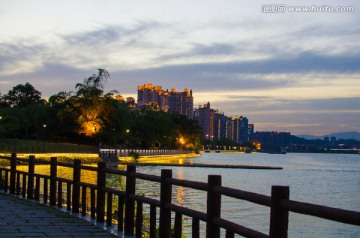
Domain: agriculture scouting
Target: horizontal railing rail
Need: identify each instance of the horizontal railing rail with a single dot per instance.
(125, 208)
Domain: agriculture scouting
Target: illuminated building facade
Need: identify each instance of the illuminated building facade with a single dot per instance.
(173, 101)
(239, 129)
(221, 125)
(205, 116)
(181, 102)
(216, 126)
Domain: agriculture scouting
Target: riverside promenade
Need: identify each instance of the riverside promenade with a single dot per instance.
(24, 218)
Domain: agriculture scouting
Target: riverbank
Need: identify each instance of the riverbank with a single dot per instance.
(158, 158)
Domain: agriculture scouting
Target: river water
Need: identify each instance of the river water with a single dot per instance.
(324, 179)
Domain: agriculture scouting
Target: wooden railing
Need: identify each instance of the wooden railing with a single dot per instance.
(49, 189)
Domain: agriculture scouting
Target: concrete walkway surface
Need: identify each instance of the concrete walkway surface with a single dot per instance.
(23, 218)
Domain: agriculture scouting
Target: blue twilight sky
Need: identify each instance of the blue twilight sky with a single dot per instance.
(286, 71)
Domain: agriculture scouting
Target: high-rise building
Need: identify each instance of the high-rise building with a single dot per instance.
(205, 116)
(181, 102)
(251, 130)
(148, 93)
(239, 129)
(175, 102)
(220, 126)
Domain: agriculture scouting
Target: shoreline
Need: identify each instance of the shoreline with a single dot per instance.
(223, 166)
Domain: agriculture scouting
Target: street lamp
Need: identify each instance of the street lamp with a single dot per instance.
(44, 126)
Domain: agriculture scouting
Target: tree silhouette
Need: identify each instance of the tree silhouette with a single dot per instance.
(22, 95)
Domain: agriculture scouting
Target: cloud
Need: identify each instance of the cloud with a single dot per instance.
(304, 71)
(93, 38)
(112, 34)
(20, 56)
(216, 49)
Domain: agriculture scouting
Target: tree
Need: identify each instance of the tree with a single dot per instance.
(22, 96)
(92, 106)
(93, 87)
(188, 131)
(63, 115)
(10, 123)
(2, 102)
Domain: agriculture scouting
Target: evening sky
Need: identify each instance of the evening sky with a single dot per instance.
(288, 71)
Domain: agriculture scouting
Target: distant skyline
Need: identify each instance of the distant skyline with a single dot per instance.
(291, 71)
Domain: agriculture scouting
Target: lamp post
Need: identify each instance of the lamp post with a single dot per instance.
(44, 126)
(127, 137)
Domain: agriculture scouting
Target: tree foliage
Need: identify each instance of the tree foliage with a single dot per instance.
(89, 115)
(21, 95)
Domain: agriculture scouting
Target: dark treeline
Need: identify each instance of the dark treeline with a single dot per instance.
(90, 116)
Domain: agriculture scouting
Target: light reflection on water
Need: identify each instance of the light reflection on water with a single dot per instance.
(325, 179)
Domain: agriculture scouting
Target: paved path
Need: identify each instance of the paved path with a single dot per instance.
(24, 218)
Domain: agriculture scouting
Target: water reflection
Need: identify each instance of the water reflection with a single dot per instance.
(321, 179)
(180, 192)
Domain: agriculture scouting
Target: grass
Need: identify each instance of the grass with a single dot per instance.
(37, 146)
(65, 152)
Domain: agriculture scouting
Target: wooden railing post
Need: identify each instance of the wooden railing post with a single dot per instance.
(101, 184)
(165, 199)
(37, 189)
(6, 181)
(178, 225)
(46, 190)
(129, 201)
(76, 186)
(195, 228)
(92, 203)
(53, 176)
(59, 194)
(30, 190)
(152, 221)
(23, 192)
(121, 200)
(12, 173)
(109, 214)
(213, 206)
(139, 219)
(83, 201)
(279, 218)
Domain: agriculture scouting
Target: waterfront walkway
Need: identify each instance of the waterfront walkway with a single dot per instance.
(24, 218)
